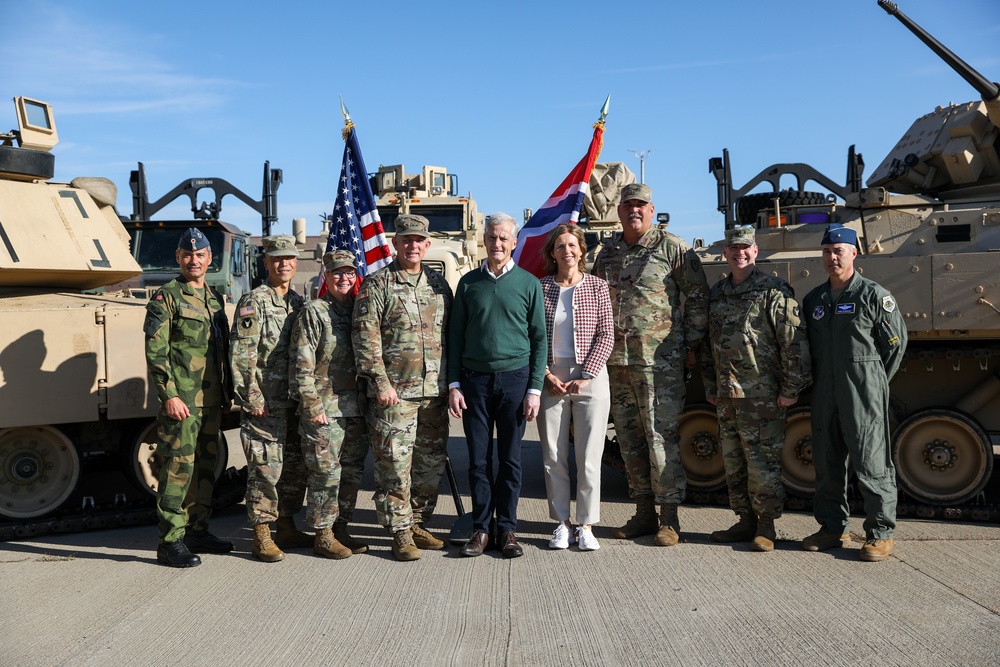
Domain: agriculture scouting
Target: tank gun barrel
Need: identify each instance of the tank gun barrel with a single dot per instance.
(988, 89)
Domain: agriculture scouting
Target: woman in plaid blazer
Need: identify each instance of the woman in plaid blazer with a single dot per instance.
(580, 331)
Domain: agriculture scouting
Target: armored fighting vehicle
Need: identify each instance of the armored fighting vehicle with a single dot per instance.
(75, 400)
(928, 223)
(456, 224)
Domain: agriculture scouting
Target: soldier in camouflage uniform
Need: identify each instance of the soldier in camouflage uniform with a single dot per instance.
(400, 319)
(647, 269)
(756, 368)
(331, 416)
(268, 425)
(186, 349)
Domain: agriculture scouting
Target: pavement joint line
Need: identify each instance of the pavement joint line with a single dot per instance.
(953, 589)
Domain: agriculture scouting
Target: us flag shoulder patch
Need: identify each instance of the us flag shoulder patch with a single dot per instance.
(246, 310)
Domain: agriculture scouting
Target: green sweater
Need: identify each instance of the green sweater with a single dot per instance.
(498, 325)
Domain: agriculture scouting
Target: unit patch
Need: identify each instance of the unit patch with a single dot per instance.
(845, 309)
(888, 304)
(818, 312)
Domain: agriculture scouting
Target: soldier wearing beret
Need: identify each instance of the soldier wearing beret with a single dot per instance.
(857, 337)
(756, 368)
(647, 270)
(331, 408)
(400, 319)
(276, 474)
(186, 351)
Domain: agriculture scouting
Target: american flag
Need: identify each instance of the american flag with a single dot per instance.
(563, 206)
(355, 224)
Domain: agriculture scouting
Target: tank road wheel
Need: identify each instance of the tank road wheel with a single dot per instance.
(143, 465)
(942, 456)
(701, 453)
(39, 468)
(797, 470)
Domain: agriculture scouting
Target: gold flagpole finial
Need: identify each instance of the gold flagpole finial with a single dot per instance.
(348, 123)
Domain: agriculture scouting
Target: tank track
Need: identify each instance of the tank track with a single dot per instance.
(121, 512)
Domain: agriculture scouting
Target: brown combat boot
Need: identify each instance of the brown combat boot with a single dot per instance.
(287, 536)
(327, 546)
(403, 547)
(876, 550)
(424, 540)
(340, 533)
(264, 547)
(742, 531)
(765, 538)
(822, 541)
(670, 527)
(642, 523)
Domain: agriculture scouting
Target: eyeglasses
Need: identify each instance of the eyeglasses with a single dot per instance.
(337, 275)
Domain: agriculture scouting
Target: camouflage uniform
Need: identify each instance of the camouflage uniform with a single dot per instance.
(646, 367)
(759, 351)
(260, 341)
(186, 350)
(399, 341)
(323, 377)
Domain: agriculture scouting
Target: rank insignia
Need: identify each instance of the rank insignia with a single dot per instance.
(845, 309)
(819, 312)
(888, 304)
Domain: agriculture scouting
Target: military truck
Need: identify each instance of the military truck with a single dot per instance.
(76, 405)
(456, 224)
(928, 224)
(235, 267)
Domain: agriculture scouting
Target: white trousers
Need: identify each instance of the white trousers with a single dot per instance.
(589, 411)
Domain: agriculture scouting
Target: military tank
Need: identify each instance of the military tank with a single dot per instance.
(75, 399)
(928, 222)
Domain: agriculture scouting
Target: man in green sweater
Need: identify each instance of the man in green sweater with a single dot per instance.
(497, 350)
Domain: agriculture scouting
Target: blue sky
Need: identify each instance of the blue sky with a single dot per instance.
(502, 94)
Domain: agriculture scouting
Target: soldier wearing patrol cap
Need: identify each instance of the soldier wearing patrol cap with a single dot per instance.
(186, 350)
(276, 474)
(756, 368)
(400, 320)
(857, 338)
(647, 270)
(331, 408)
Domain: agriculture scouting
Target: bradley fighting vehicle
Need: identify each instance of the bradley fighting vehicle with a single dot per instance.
(456, 224)
(77, 409)
(928, 224)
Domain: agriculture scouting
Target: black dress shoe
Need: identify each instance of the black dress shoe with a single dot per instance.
(476, 544)
(176, 554)
(509, 546)
(204, 542)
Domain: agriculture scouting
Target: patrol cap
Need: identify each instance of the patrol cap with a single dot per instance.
(637, 191)
(338, 259)
(410, 224)
(740, 236)
(279, 246)
(837, 233)
(193, 239)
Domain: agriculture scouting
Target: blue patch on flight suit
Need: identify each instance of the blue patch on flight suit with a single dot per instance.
(845, 308)
(818, 312)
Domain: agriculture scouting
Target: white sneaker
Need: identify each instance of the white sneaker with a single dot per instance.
(586, 539)
(562, 537)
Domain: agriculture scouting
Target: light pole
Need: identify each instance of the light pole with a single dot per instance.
(642, 155)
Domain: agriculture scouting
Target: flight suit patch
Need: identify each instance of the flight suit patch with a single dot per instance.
(819, 312)
(888, 304)
(845, 309)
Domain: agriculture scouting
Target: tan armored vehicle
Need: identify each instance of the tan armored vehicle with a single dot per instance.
(456, 223)
(76, 406)
(929, 229)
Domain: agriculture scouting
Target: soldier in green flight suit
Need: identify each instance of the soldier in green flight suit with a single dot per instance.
(857, 338)
(186, 354)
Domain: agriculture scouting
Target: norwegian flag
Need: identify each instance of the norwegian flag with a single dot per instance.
(355, 224)
(563, 206)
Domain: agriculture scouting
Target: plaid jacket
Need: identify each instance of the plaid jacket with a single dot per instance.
(593, 324)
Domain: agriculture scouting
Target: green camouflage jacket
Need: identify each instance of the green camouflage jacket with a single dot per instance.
(646, 281)
(400, 322)
(260, 341)
(322, 376)
(757, 340)
(187, 339)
